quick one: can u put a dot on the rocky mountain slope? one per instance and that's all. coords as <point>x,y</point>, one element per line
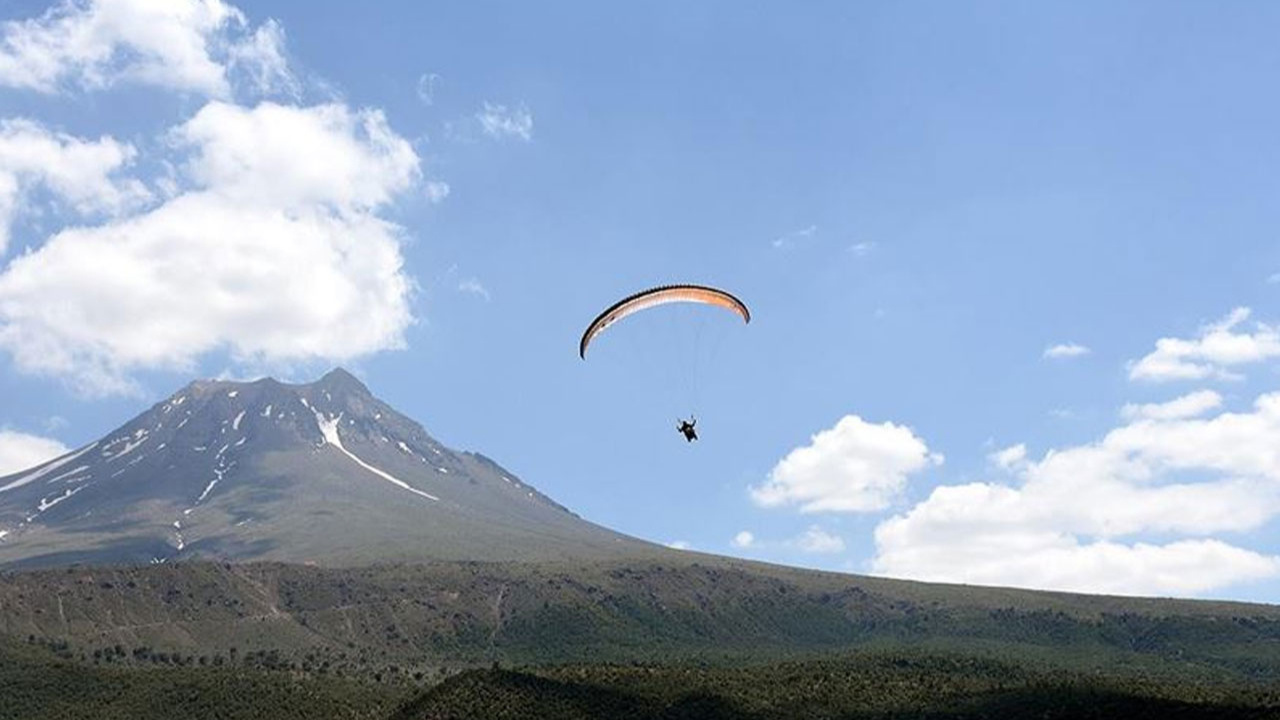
<point>319,473</point>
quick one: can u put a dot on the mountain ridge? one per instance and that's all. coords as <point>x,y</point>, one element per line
<point>321,472</point>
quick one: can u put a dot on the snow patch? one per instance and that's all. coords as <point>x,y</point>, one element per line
<point>405,447</point>
<point>209,488</point>
<point>68,475</point>
<point>33,476</point>
<point>235,424</point>
<point>130,444</point>
<point>329,429</point>
<point>267,412</point>
<point>233,393</point>
<point>46,503</point>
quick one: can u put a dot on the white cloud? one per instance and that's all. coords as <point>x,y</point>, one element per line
<point>817,540</point>
<point>1211,355</point>
<point>427,88</point>
<point>437,191</point>
<point>680,545</point>
<point>498,121</point>
<point>261,58</point>
<point>744,539</point>
<point>183,45</point>
<point>785,241</point>
<point>19,451</point>
<point>855,466</point>
<point>1164,473</point>
<point>1066,350</point>
<point>82,173</point>
<point>862,249</point>
<point>472,286</point>
<point>1190,405</point>
<point>1274,278</point>
<point>273,250</point>
<point>1010,457</point>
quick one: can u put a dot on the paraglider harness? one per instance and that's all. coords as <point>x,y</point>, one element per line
<point>686,427</point>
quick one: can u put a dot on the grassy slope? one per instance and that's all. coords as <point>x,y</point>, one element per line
<point>421,617</point>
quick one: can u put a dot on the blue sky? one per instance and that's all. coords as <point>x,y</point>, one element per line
<point>918,201</point>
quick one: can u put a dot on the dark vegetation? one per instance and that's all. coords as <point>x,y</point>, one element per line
<point>36,684</point>
<point>702,638</point>
<point>882,685</point>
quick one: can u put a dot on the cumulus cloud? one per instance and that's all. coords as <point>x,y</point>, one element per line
<point>855,466</point>
<point>184,45</point>
<point>84,174</point>
<point>1010,457</point>
<point>744,539</point>
<point>272,250</point>
<point>1218,348</point>
<point>19,451</point>
<point>501,122</point>
<point>817,540</point>
<point>260,57</point>
<point>1065,350</point>
<point>1190,405</point>
<point>1167,472</point>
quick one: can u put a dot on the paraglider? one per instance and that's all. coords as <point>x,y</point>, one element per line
<point>652,298</point>
<point>686,427</point>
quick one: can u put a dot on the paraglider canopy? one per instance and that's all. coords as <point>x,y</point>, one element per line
<point>654,297</point>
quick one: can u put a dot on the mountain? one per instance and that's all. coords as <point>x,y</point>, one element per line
<point>320,473</point>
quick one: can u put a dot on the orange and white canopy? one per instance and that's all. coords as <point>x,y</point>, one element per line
<point>654,297</point>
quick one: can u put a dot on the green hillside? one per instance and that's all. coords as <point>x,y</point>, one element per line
<point>433,617</point>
